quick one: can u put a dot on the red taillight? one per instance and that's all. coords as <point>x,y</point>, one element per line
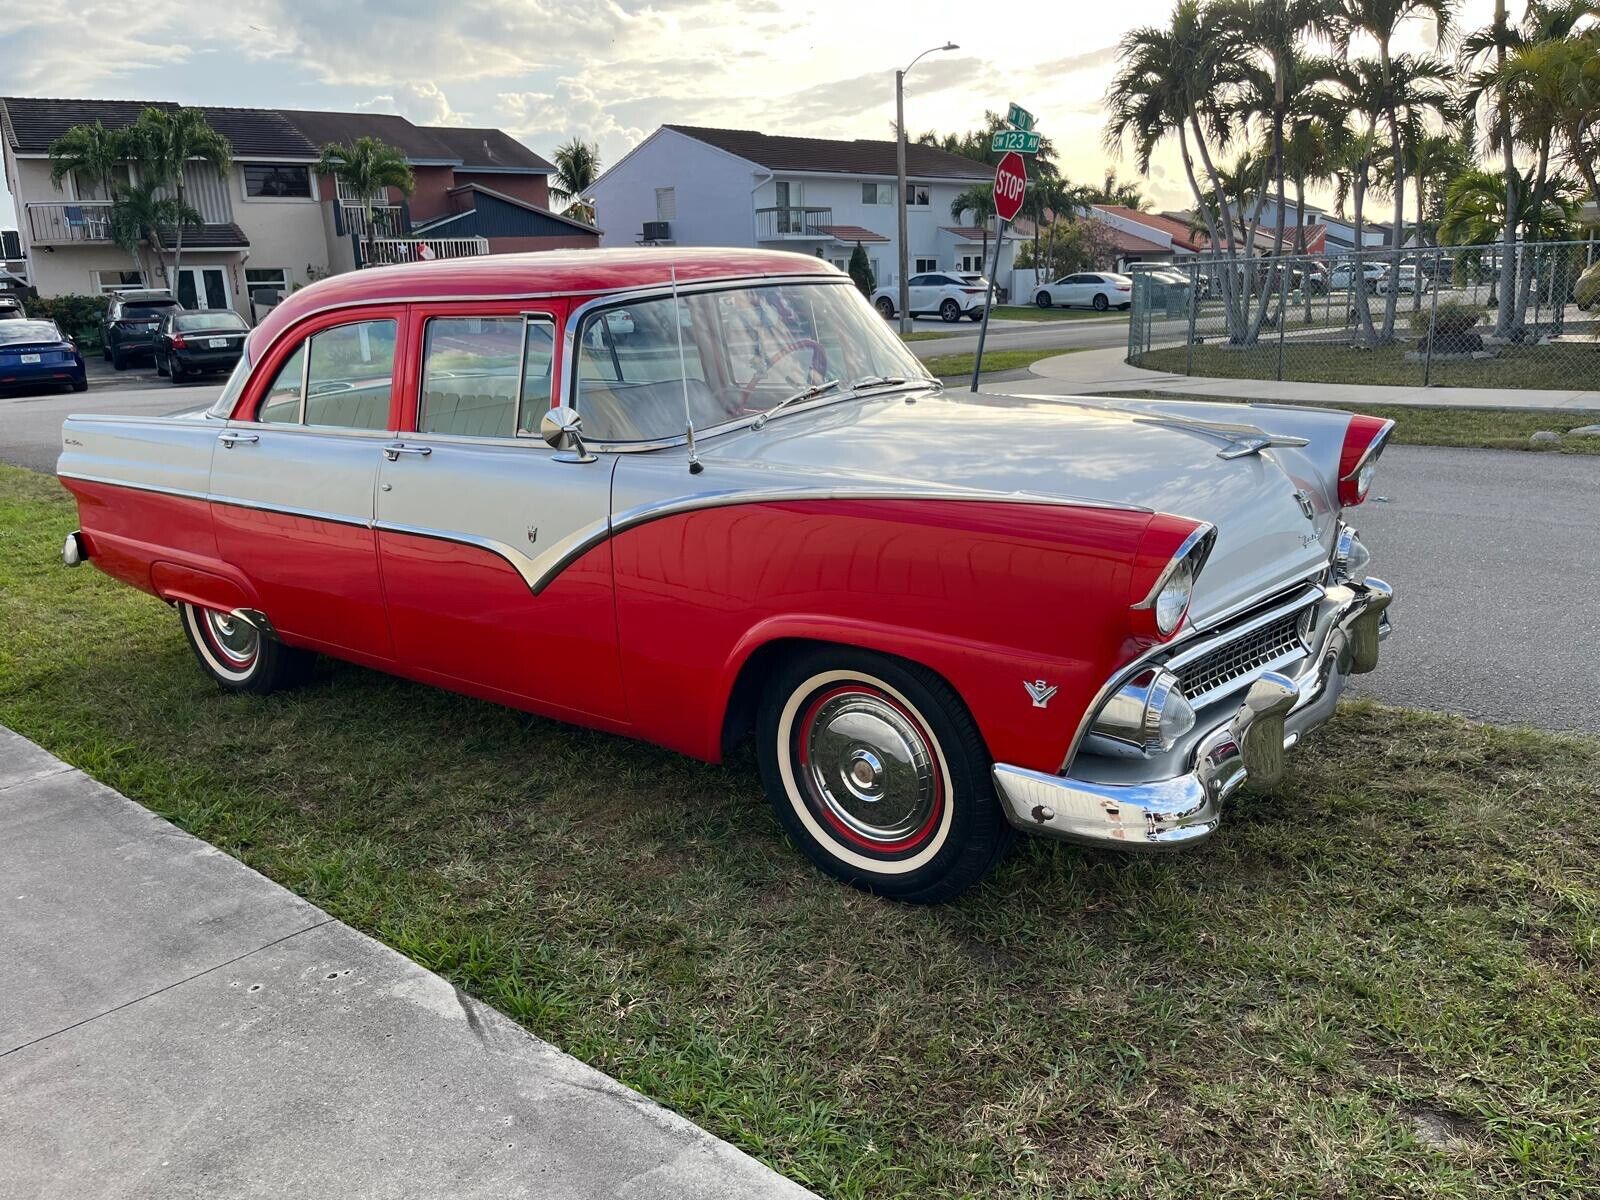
<point>1124,287</point>
<point>974,291</point>
<point>177,342</point>
<point>1363,442</point>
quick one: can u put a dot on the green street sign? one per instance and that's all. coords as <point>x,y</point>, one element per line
<point>1019,118</point>
<point>1014,139</point>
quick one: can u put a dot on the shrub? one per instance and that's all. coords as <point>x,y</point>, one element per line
<point>861,271</point>
<point>1453,319</point>
<point>77,316</point>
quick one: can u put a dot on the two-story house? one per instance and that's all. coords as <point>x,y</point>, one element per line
<point>272,223</point>
<point>686,185</point>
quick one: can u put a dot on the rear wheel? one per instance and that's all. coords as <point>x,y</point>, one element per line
<point>234,653</point>
<point>175,372</point>
<point>1101,303</point>
<point>161,365</point>
<point>81,384</point>
<point>879,775</point>
<point>886,308</point>
<point>950,311</point>
<point>119,360</point>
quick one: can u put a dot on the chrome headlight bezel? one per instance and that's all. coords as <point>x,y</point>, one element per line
<point>1148,714</point>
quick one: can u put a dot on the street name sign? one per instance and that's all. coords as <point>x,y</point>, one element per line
<point>1019,118</point>
<point>1014,140</point>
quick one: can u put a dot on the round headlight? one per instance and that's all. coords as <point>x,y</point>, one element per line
<point>1173,600</point>
<point>1364,477</point>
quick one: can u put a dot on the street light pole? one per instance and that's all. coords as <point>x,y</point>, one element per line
<point>900,179</point>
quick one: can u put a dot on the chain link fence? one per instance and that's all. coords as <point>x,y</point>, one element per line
<point>1445,316</point>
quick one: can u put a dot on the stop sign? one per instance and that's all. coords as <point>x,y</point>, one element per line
<point>1010,181</point>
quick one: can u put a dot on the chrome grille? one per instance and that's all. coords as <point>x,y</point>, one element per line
<point>1270,645</point>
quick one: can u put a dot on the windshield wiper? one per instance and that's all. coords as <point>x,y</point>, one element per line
<point>810,393</point>
<point>876,381</point>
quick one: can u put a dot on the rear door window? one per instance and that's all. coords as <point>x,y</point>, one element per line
<point>485,376</point>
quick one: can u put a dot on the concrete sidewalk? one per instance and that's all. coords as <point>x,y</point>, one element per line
<point>173,1024</point>
<point>1095,371</point>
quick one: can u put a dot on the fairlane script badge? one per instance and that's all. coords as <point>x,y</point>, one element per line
<point>1040,691</point>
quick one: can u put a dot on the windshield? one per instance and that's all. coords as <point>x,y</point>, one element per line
<point>223,408</point>
<point>29,331</point>
<point>210,320</point>
<point>744,350</point>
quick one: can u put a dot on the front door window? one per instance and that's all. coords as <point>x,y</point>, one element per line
<point>203,287</point>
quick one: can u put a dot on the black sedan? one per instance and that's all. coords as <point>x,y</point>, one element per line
<point>35,353</point>
<point>192,343</point>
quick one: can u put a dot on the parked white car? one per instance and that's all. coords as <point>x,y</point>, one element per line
<point>1098,290</point>
<point>1345,272</point>
<point>1404,280</point>
<point>944,294</point>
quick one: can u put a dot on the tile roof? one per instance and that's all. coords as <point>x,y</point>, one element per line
<point>207,237</point>
<point>415,142</point>
<point>477,189</point>
<point>1129,243</point>
<point>851,234</point>
<point>973,233</point>
<point>32,123</point>
<point>1176,230</point>
<point>489,149</point>
<point>832,157</point>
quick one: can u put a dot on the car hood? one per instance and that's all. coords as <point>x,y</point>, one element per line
<point>1058,448</point>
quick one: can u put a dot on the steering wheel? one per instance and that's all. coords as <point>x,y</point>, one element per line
<point>819,364</point>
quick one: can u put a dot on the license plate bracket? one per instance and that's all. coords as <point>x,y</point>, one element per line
<point>217,343</point>
<point>31,358</point>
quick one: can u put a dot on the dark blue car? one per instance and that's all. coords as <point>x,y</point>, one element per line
<point>35,353</point>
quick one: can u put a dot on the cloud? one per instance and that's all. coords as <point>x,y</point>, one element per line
<point>570,109</point>
<point>422,103</point>
<point>81,51</point>
<point>830,104</point>
<point>1102,57</point>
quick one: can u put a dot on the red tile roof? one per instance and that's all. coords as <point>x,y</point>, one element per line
<point>1176,230</point>
<point>851,233</point>
<point>1128,243</point>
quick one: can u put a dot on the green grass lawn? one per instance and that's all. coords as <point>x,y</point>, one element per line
<point>1378,980</point>
<point>948,366</point>
<point>1438,425</point>
<point>1568,368</point>
<point>924,335</point>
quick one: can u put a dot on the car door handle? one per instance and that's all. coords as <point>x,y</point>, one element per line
<point>393,453</point>
<point>230,440</point>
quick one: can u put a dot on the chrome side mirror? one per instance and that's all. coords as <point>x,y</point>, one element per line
<point>562,429</point>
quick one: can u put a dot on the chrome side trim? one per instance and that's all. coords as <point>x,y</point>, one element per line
<point>524,566</point>
<point>211,498</point>
<point>182,493</point>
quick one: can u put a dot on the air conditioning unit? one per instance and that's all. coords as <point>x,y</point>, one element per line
<point>657,231</point>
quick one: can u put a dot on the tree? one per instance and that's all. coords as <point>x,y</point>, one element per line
<point>577,167</point>
<point>1475,210</point>
<point>974,144</point>
<point>979,201</point>
<point>92,152</point>
<point>367,167</point>
<point>1125,193</point>
<point>140,213</point>
<point>861,271</point>
<point>163,142</point>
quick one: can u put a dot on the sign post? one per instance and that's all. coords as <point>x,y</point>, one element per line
<point>1010,184</point>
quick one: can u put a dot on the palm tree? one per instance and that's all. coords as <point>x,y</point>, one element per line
<point>577,167</point>
<point>1475,212</point>
<point>979,201</point>
<point>1125,193</point>
<point>367,167</point>
<point>1380,20</point>
<point>92,152</point>
<point>164,142</point>
<point>141,211</point>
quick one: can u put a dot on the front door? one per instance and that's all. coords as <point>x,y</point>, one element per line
<point>203,287</point>
<point>473,507</point>
<point>292,485</point>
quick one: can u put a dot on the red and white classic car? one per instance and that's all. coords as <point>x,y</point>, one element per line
<point>693,496</point>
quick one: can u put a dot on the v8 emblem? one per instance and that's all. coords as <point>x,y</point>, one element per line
<point>1041,691</point>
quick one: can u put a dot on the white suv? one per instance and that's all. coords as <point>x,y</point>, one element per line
<point>935,293</point>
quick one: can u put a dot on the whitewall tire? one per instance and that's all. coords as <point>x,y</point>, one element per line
<point>878,773</point>
<point>235,654</point>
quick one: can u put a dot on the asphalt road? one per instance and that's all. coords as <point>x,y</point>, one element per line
<point>1494,556</point>
<point>1022,335</point>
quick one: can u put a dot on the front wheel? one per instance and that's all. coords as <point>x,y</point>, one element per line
<point>1101,303</point>
<point>237,657</point>
<point>878,773</point>
<point>950,311</point>
<point>1043,300</point>
<point>885,308</point>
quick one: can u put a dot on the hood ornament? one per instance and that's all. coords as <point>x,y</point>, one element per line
<point>1041,691</point>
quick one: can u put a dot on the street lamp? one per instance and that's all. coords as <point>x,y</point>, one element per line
<point>900,173</point>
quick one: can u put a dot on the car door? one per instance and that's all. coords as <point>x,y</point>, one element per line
<point>1072,291</point>
<point>472,505</point>
<point>292,484</point>
<point>923,291</point>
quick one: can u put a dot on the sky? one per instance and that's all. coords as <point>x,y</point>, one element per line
<point>610,71</point>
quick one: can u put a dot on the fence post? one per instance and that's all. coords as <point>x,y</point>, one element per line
<point>1283,310</point>
<point>1194,310</point>
<point>1433,319</point>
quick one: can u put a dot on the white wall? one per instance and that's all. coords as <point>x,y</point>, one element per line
<point>283,233</point>
<point>712,191</point>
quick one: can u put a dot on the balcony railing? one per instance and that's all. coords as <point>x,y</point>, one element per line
<point>388,220</point>
<point>388,251</point>
<point>784,222</point>
<point>87,221</point>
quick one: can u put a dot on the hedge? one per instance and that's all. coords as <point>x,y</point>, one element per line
<point>77,316</point>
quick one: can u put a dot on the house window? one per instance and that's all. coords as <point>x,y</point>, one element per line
<point>877,193</point>
<point>114,281</point>
<point>916,195</point>
<point>972,262</point>
<point>258,279</point>
<point>667,204</point>
<point>925,264</point>
<point>277,181</point>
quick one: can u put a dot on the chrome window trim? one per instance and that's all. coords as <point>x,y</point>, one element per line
<point>519,436</point>
<point>662,291</point>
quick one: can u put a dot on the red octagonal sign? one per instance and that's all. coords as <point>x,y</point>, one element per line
<point>1010,181</point>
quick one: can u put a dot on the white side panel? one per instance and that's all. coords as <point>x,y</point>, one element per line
<point>167,454</point>
<point>318,473</point>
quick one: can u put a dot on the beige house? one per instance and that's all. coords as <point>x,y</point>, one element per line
<point>272,223</point>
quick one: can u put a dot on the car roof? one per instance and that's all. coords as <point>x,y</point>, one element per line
<point>144,294</point>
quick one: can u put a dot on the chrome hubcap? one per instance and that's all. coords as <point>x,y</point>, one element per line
<point>870,766</point>
<point>235,638</point>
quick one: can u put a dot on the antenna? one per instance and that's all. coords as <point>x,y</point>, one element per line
<point>695,465</point>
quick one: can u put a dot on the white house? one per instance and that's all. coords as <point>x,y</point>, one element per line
<point>691,186</point>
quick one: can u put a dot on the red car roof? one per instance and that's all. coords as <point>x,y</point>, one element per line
<point>549,272</point>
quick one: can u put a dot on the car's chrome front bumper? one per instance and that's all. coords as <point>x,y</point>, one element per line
<point>1277,711</point>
